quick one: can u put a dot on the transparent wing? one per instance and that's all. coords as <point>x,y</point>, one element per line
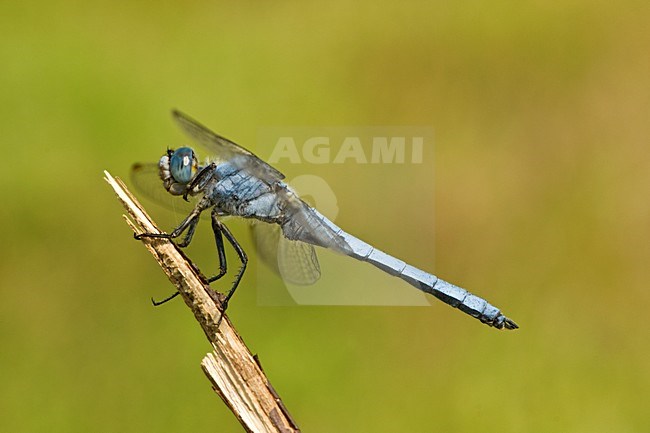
<point>296,262</point>
<point>146,180</point>
<point>306,224</point>
<point>226,150</point>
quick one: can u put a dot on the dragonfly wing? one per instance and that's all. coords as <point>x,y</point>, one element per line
<point>146,180</point>
<point>265,239</point>
<point>226,150</point>
<point>296,262</point>
<point>308,225</point>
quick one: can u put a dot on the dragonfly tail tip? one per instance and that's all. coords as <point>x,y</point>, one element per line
<point>510,324</point>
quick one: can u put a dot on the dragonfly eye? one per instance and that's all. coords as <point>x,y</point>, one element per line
<point>183,165</point>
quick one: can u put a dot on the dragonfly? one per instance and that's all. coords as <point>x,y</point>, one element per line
<point>234,182</point>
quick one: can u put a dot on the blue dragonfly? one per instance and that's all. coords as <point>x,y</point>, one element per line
<point>235,182</point>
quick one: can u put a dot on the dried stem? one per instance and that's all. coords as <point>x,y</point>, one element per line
<point>235,374</point>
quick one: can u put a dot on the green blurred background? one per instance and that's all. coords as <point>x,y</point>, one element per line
<point>541,116</point>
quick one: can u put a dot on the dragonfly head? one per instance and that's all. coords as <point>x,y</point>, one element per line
<point>177,168</point>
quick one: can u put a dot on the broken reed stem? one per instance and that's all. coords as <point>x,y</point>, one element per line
<point>235,374</point>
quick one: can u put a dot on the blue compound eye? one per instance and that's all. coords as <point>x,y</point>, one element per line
<point>182,165</point>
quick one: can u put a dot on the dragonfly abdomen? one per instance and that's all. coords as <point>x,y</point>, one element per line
<point>450,294</point>
<point>314,228</point>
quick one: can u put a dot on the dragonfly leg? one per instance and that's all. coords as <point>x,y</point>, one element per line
<point>189,223</point>
<point>191,228</point>
<point>200,179</point>
<point>167,299</point>
<point>223,266</point>
<point>221,228</point>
